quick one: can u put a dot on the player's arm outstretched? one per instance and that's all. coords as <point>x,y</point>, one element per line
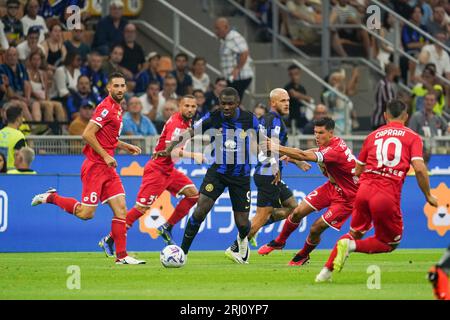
<point>293,153</point>
<point>181,139</point>
<point>91,139</point>
<point>423,181</point>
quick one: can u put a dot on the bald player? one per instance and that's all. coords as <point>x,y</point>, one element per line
<point>275,200</point>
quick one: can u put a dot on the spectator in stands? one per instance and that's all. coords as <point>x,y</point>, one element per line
<point>135,57</point>
<point>32,44</point>
<point>94,72</point>
<point>151,104</point>
<point>23,158</point>
<point>212,97</point>
<point>11,138</point>
<point>438,22</point>
<point>169,89</point>
<point>169,108</point>
<point>387,31</point>
<point>435,54</point>
<point>260,110</point>
<point>19,88</point>
<point>3,168</point>
<point>54,50</point>
<point>53,110</point>
<point>149,75</point>
<point>426,123</point>
<point>181,73</point>
<point>320,112</point>
<point>301,12</point>
<point>12,26</point>
<point>66,76</point>
<point>136,124</point>
<point>4,45</point>
<point>82,118</point>
<point>113,65</point>
<point>56,10</point>
<point>200,99</point>
<point>427,11</point>
<point>344,13</point>
<point>76,43</point>
<point>297,94</point>
<point>427,84</point>
<point>234,56</point>
<point>412,40</point>
<point>110,29</point>
<point>82,96</point>
<point>200,79</point>
<point>32,19</point>
<point>386,91</point>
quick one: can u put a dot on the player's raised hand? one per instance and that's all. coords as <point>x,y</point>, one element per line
<point>303,165</point>
<point>432,200</point>
<point>277,179</point>
<point>110,161</point>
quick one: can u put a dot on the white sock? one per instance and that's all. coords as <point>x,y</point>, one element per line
<point>352,246</point>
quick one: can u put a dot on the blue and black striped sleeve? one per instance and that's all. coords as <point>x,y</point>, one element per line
<point>203,124</point>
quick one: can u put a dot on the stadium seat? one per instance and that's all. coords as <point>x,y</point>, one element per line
<point>165,65</point>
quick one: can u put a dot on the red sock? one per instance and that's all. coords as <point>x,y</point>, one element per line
<point>307,248</point>
<point>329,263</point>
<point>67,204</point>
<point>182,209</point>
<point>372,245</point>
<point>119,234</point>
<point>288,228</point>
<point>133,215</point>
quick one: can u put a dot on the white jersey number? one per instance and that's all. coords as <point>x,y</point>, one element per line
<point>382,152</point>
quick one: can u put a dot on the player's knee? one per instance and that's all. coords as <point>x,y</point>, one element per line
<point>316,230</point>
<point>86,213</point>
<point>356,235</point>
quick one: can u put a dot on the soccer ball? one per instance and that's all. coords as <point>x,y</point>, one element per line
<point>172,257</point>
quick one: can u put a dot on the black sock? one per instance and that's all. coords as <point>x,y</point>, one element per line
<point>234,246</point>
<point>244,230</point>
<point>269,222</point>
<point>189,234</point>
<point>109,240</point>
<point>168,226</point>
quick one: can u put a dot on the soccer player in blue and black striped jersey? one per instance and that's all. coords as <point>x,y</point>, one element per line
<point>233,133</point>
<point>275,200</point>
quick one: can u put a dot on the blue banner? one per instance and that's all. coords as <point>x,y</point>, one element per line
<point>47,228</point>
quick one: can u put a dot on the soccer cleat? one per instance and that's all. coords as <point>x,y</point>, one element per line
<point>244,249</point>
<point>129,260</point>
<point>234,256</point>
<point>253,241</point>
<point>268,248</point>
<point>324,275</point>
<point>42,198</point>
<point>165,232</point>
<point>342,254</point>
<point>299,260</point>
<point>107,244</point>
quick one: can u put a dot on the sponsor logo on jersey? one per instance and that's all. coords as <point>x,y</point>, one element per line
<point>3,211</point>
<point>439,218</point>
<point>230,145</point>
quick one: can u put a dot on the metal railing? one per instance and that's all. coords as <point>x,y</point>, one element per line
<point>73,145</point>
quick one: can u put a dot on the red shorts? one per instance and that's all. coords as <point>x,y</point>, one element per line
<point>100,182</point>
<point>326,196</point>
<point>155,180</point>
<point>373,205</point>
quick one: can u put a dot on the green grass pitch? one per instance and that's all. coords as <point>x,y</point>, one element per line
<point>210,275</point>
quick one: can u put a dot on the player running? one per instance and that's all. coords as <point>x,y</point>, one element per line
<point>384,161</point>
<point>98,172</point>
<point>337,163</point>
<point>231,130</point>
<point>275,200</point>
<point>160,174</point>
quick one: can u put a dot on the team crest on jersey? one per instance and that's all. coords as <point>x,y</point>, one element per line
<point>209,187</point>
<point>439,218</point>
<point>104,113</point>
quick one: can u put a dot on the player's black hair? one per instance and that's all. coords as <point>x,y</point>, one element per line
<point>13,113</point>
<point>229,91</point>
<point>326,122</point>
<point>116,75</point>
<point>395,108</point>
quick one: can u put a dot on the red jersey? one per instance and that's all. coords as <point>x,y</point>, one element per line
<point>387,154</point>
<point>338,163</point>
<point>173,128</point>
<point>108,116</point>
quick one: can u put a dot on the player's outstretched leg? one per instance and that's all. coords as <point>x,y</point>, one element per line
<point>204,205</point>
<point>67,204</point>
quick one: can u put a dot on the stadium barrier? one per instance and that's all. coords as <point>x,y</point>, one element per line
<point>47,228</point>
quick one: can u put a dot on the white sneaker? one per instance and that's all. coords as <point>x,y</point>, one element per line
<point>324,275</point>
<point>244,249</point>
<point>42,198</point>
<point>129,260</point>
<point>234,256</point>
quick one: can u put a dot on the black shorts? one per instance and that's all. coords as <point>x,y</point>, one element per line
<point>215,183</point>
<point>270,195</point>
